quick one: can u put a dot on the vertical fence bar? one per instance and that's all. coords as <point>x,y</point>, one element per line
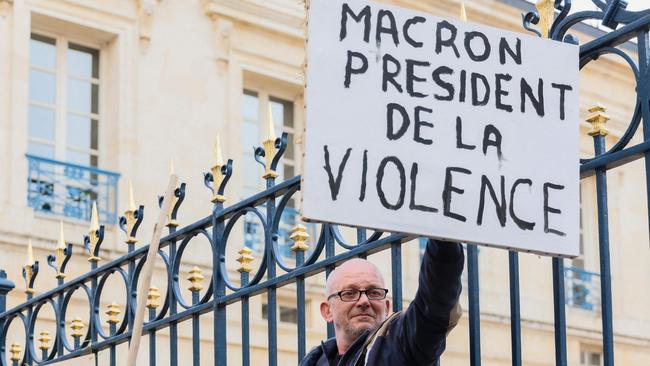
<point>300,302</point>
<point>515,315</point>
<point>559,312</point>
<point>245,323</point>
<point>196,335</point>
<point>329,253</point>
<point>152,338</point>
<point>272,311</point>
<point>474,308</point>
<point>5,287</point>
<point>643,93</point>
<point>605,270</point>
<point>173,305</point>
<point>396,274</point>
<point>219,285</point>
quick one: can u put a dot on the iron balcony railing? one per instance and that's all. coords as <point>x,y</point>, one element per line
<point>65,189</point>
<point>582,288</point>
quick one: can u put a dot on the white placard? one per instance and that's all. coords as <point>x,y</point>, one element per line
<point>441,128</point>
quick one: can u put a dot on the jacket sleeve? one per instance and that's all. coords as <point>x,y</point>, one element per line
<point>423,327</point>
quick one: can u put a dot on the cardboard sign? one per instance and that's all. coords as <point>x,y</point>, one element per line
<point>441,128</point>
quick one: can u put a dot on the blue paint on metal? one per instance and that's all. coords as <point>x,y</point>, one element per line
<point>396,274</point>
<point>515,311</point>
<point>474,306</point>
<point>559,314</point>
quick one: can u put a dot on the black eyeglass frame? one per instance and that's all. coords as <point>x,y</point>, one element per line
<point>359,292</point>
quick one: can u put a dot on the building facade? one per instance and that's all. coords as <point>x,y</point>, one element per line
<point>97,94</point>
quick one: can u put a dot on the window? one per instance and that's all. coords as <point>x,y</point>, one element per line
<point>63,131</point>
<point>63,116</point>
<point>287,314</point>
<point>590,357</point>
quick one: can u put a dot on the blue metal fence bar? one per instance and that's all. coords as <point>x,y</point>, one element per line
<point>559,312</point>
<point>474,306</point>
<point>643,93</point>
<point>173,303</point>
<point>396,274</point>
<point>515,311</point>
<point>196,335</point>
<point>300,303</point>
<point>245,323</point>
<point>329,253</point>
<point>272,310</point>
<point>219,310</point>
<point>152,338</point>
<point>603,241</point>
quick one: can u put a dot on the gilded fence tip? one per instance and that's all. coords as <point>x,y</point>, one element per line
<point>113,312</point>
<point>463,12</point>
<point>152,297</point>
<point>195,279</point>
<point>245,259</point>
<point>598,120</point>
<point>15,351</point>
<point>77,327</point>
<point>44,340</point>
<point>299,237</point>
<point>30,269</point>
<point>546,16</point>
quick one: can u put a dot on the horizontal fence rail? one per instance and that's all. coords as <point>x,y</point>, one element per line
<point>274,250</point>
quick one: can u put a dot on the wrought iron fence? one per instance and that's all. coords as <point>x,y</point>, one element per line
<point>276,269</point>
<point>64,189</point>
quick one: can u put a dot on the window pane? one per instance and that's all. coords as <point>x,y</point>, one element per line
<point>77,157</point>
<point>288,172</point>
<point>83,61</point>
<point>42,86</point>
<point>250,136</point>
<point>288,315</point>
<point>80,95</point>
<point>250,106</point>
<point>278,115</point>
<point>41,122</point>
<point>286,116</point>
<point>42,150</point>
<point>42,52</point>
<point>288,153</point>
<point>79,132</point>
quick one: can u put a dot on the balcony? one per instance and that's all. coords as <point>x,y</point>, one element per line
<point>68,190</point>
<point>582,289</point>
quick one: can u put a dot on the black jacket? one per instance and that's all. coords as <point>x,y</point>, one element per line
<point>417,335</point>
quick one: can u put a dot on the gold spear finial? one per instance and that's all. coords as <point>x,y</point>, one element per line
<point>245,259</point>
<point>463,12</point>
<point>217,176</point>
<point>299,236</point>
<point>30,254</point>
<point>172,171</point>
<point>94,218</point>
<point>152,297</point>
<point>113,312</point>
<point>546,15</point>
<point>44,339</point>
<point>131,205</point>
<point>93,236</point>
<point>15,351</point>
<point>61,243</point>
<point>195,279</point>
<point>598,120</point>
<point>218,156</point>
<point>77,326</point>
<point>269,149</point>
<point>271,131</point>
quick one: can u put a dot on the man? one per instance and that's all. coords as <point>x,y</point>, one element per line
<point>357,305</point>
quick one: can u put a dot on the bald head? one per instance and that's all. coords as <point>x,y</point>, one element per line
<point>347,273</point>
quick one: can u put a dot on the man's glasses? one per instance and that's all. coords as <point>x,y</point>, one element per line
<point>355,295</point>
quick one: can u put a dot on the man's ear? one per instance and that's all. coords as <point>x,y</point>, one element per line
<point>326,311</point>
<point>387,307</point>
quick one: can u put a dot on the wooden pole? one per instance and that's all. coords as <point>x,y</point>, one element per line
<point>147,271</point>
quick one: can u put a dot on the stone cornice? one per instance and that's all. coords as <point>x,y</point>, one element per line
<point>283,17</point>
<point>146,9</point>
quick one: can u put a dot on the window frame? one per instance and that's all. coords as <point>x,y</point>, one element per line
<point>62,44</point>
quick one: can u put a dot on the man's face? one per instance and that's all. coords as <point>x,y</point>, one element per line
<point>351,319</point>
